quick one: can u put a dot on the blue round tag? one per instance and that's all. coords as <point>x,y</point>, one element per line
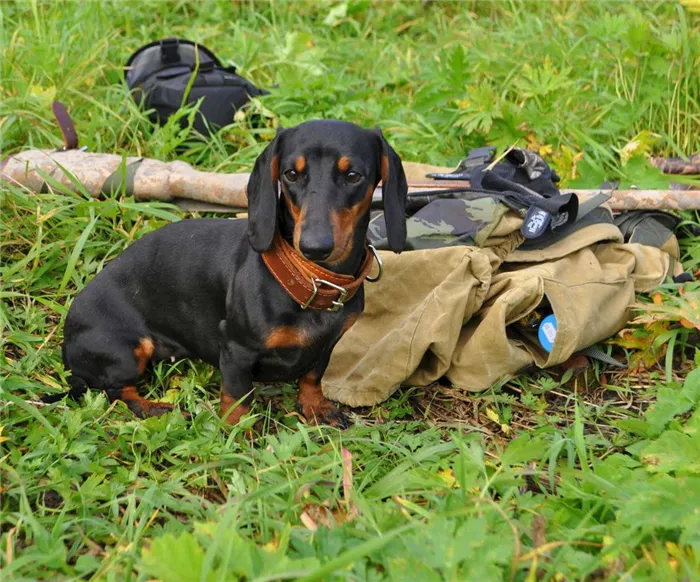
<point>547,332</point>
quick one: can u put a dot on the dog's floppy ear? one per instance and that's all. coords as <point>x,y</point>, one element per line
<point>263,197</point>
<point>394,192</point>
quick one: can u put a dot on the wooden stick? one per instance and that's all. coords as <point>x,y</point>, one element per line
<point>620,199</point>
<point>193,190</point>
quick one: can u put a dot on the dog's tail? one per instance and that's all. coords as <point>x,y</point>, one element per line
<point>78,387</point>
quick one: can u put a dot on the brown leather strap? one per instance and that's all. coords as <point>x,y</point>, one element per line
<point>298,275</point>
<point>65,123</point>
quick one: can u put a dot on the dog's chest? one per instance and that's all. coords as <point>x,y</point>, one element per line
<point>291,350</point>
<point>287,341</point>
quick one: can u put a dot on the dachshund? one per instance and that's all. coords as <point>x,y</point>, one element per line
<point>265,299</point>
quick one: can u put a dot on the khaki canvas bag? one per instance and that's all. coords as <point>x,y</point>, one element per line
<point>452,312</point>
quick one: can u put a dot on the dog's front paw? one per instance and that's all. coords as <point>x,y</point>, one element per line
<point>336,417</point>
<point>329,415</point>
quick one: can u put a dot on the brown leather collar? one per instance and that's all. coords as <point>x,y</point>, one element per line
<point>309,284</point>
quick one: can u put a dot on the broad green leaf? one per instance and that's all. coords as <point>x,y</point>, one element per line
<point>525,448</point>
<point>174,558</point>
<point>672,401</point>
<point>664,502</point>
<point>673,451</point>
<point>639,173</point>
<point>336,14</point>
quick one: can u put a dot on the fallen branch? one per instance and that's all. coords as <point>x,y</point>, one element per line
<point>142,178</point>
<point>192,190</point>
<point>620,200</point>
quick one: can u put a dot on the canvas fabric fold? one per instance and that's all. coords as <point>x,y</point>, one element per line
<point>453,312</point>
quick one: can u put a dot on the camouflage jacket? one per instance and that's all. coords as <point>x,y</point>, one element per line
<point>444,223</point>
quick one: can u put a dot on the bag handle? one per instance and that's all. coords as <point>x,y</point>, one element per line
<point>169,51</point>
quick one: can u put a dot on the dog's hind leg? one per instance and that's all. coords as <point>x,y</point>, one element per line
<point>140,406</point>
<point>77,389</point>
<point>113,362</point>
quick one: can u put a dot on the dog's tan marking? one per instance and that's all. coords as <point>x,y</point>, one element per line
<point>141,406</point>
<point>144,353</point>
<point>298,216</point>
<point>385,170</point>
<point>344,223</point>
<point>300,163</point>
<point>311,400</point>
<point>287,336</point>
<point>230,414</point>
<point>275,169</point>
<point>344,164</point>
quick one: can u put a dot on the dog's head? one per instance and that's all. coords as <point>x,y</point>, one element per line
<point>327,171</point>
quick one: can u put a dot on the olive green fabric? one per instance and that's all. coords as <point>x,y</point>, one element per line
<point>452,222</point>
<point>450,312</point>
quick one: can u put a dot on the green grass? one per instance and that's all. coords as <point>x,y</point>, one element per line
<point>548,477</point>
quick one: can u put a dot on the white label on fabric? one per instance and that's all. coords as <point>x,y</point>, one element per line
<point>549,330</point>
<point>536,222</point>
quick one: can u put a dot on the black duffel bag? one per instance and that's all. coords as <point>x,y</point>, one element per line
<point>159,75</point>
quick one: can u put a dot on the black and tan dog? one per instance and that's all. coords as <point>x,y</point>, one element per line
<point>266,299</point>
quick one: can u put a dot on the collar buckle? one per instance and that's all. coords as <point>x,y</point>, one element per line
<point>338,304</point>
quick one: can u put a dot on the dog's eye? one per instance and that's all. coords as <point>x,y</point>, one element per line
<point>291,175</point>
<point>353,177</point>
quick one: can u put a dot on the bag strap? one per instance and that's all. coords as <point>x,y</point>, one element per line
<point>591,204</point>
<point>598,354</point>
<point>169,51</point>
<point>65,124</point>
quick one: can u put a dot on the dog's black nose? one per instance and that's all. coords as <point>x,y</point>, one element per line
<point>317,249</point>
